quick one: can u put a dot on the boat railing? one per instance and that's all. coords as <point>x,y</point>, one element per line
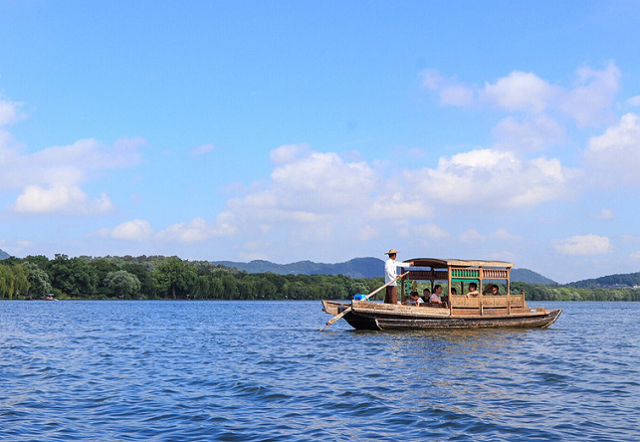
<point>427,275</point>
<point>487,304</point>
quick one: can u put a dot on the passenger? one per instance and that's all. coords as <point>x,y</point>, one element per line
<point>454,292</point>
<point>415,299</point>
<point>435,298</point>
<point>390,276</point>
<point>473,290</point>
<point>426,294</point>
<point>495,290</point>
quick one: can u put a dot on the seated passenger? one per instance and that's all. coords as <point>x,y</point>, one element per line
<point>473,290</point>
<point>426,293</point>
<point>414,299</point>
<point>454,292</point>
<point>495,290</point>
<point>435,298</point>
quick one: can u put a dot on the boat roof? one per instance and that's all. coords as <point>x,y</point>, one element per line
<point>445,263</point>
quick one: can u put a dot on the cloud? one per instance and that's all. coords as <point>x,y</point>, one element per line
<point>591,94</point>
<point>134,230</point>
<point>633,101</point>
<point>490,178</point>
<point>202,150</point>
<point>197,230</point>
<point>290,153</point>
<point>49,180</point>
<point>585,245</point>
<point>60,200</point>
<point>528,134</point>
<point>520,91</point>
<point>616,153</point>
<point>10,112</point>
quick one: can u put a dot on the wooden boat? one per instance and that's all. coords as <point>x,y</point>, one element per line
<point>463,310</point>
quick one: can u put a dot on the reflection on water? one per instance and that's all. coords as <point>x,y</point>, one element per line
<point>258,371</point>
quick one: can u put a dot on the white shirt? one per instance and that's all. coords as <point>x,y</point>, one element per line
<point>391,269</point>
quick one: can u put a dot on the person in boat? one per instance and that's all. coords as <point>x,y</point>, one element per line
<point>391,274</point>
<point>414,299</point>
<point>435,298</point>
<point>454,292</point>
<point>495,290</point>
<point>473,290</point>
<point>426,294</point>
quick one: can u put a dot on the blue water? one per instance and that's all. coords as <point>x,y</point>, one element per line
<point>261,371</point>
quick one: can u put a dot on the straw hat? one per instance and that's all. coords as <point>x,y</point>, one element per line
<point>392,252</point>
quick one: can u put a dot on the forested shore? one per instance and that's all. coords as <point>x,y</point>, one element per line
<point>159,277</point>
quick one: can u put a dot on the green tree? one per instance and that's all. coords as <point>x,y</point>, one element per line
<point>39,279</point>
<point>175,277</point>
<point>147,284</point>
<point>13,280</point>
<point>73,276</point>
<point>123,283</point>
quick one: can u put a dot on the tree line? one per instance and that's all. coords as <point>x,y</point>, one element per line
<point>159,277</point>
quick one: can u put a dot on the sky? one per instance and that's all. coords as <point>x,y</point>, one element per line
<point>323,131</point>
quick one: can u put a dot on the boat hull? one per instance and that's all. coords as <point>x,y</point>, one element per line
<point>373,317</point>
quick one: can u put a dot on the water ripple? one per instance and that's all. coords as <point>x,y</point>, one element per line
<point>247,371</point>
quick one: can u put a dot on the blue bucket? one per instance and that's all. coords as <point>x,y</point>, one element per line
<point>359,297</point>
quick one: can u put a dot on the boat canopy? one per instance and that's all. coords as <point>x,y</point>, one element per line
<point>446,263</point>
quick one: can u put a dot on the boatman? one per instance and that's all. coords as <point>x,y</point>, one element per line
<point>390,274</point>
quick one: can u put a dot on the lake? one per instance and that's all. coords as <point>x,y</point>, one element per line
<point>261,371</point>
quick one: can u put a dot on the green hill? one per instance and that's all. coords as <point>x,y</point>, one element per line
<point>355,268</point>
<point>611,281</point>
<point>530,277</point>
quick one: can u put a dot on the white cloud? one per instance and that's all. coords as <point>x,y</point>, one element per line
<point>196,230</point>
<point>585,245</point>
<point>490,178</point>
<point>50,179</point>
<point>290,153</point>
<point>10,112</point>
<point>134,230</point>
<point>585,101</point>
<point>616,153</point>
<point>520,91</point>
<point>529,134</point>
<point>60,200</point>
<point>593,92</point>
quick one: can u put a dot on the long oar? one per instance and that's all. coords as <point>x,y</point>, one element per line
<point>348,309</point>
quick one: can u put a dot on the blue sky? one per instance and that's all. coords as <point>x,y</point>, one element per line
<point>323,131</point>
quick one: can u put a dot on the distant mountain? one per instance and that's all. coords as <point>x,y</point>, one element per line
<point>4,255</point>
<point>530,277</point>
<point>356,268</point>
<point>611,281</point>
